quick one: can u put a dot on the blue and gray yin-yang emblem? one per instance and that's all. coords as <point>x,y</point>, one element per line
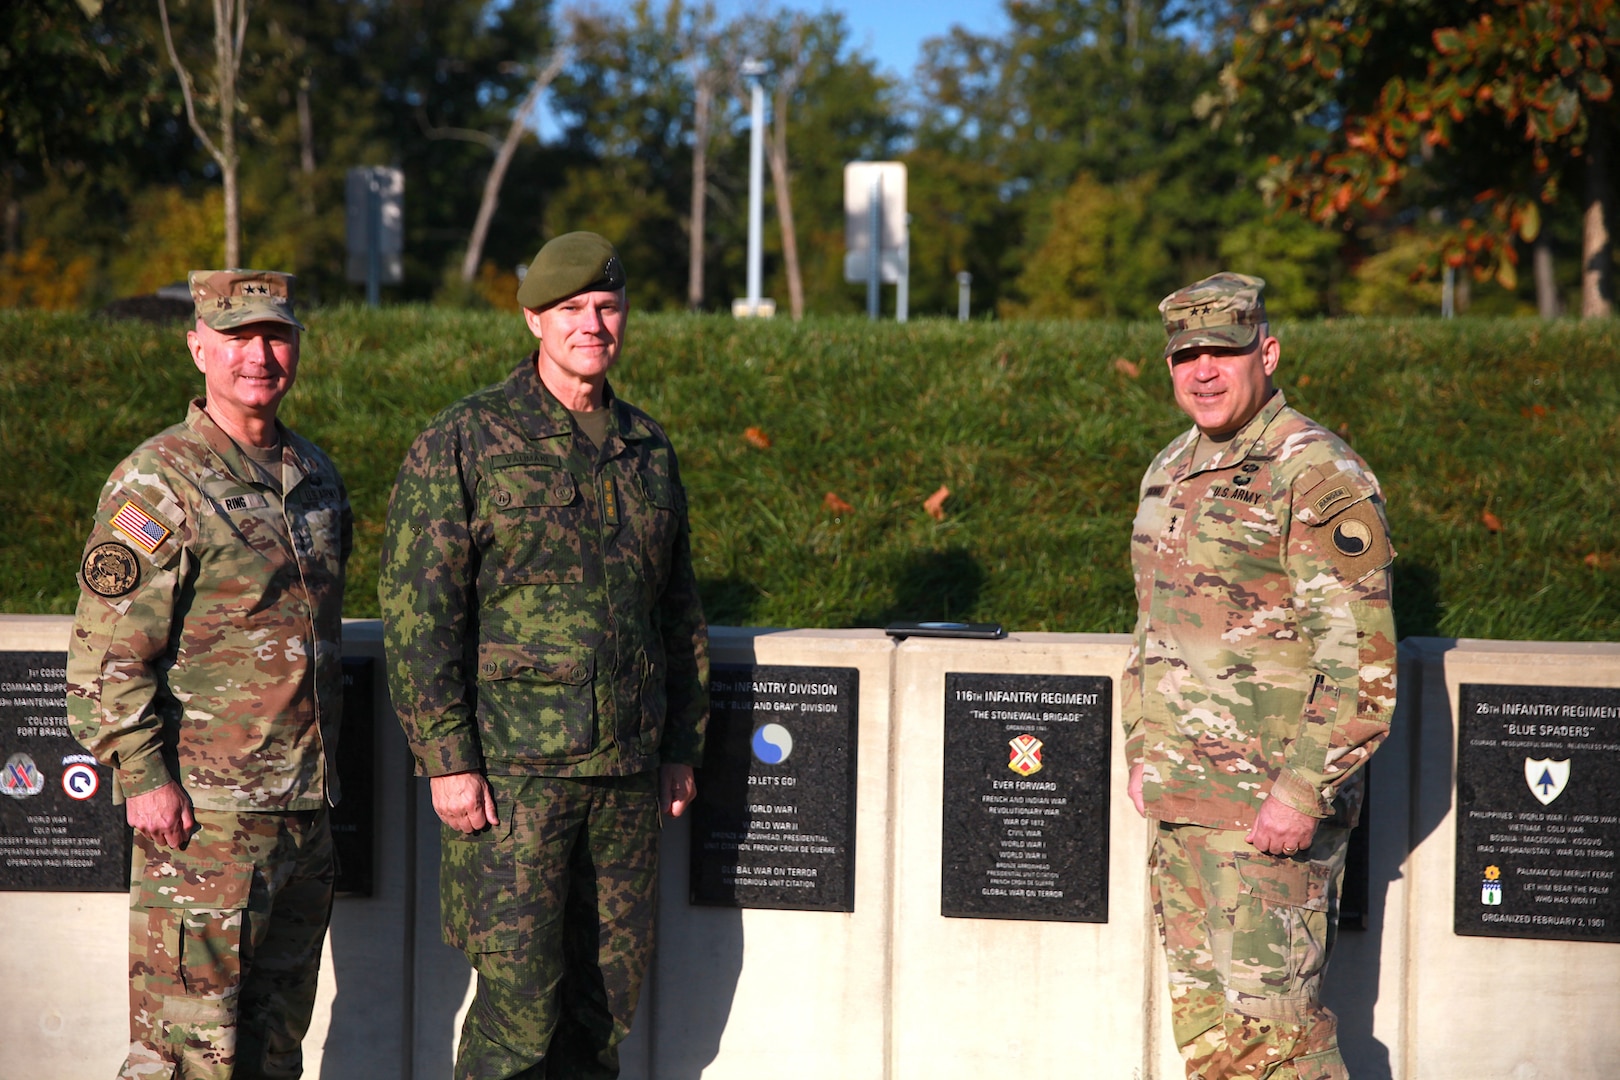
<point>1352,537</point>
<point>772,743</point>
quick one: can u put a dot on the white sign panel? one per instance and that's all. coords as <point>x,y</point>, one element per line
<point>389,222</point>
<point>886,180</point>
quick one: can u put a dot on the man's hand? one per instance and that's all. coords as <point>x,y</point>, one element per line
<point>162,816</point>
<point>1134,790</point>
<point>464,801</point>
<point>1279,829</point>
<point>677,787</point>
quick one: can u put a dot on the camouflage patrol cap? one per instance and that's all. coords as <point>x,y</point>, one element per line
<point>226,299</point>
<point>1224,311</point>
<point>571,263</point>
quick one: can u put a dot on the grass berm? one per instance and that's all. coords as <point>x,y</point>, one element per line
<point>1496,441</point>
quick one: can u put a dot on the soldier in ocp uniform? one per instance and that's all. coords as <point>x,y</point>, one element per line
<point>205,669</point>
<point>1261,679</point>
<point>548,658</point>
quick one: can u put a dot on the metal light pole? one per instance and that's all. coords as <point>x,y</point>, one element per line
<point>373,240</point>
<point>874,271</point>
<point>902,288</point>
<point>752,70</point>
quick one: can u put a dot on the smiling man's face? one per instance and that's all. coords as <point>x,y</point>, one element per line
<point>1222,389</point>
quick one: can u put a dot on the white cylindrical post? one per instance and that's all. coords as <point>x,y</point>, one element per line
<point>964,289</point>
<point>902,288</point>
<point>756,183</point>
<point>874,265</point>
<point>373,237</point>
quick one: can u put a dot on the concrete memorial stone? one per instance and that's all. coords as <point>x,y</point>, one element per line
<point>1025,816</point>
<point>59,829</point>
<point>1538,812</point>
<point>774,822</point>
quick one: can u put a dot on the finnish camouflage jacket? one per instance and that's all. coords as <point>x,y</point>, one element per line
<point>1264,659</point>
<point>208,642</point>
<point>540,613</point>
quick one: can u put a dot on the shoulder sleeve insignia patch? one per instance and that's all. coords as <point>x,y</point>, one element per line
<point>1352,537</point>
<point>111,570</point>
<point>1356,542</point>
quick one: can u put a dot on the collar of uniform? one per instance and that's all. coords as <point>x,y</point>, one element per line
<point>537,409</point>
<point>542,416</point>
<point>232,457</point>
<point>1240,446</point>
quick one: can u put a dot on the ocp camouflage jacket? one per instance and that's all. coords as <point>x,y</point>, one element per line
<point>208,642</point>
<point>1264,659</point>
<point>540,613</point>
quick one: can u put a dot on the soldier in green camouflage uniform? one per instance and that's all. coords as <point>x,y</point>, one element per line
<point>547,656</point>
<point>205,669</point>
<point>1261,679</point>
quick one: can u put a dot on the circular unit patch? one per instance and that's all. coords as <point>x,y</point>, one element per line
<point>111,570</point>
<point>772,744</point>
<point>1352,537</point>
<point>80,781</point>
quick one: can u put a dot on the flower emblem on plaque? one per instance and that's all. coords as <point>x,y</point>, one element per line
<point>1026,755</point>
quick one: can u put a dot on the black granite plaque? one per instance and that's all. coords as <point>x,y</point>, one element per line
<point>1025,823</point>
<point>59,829</point>
<point>774,821</point>
<point>1538,812</point>
<point>354,818</point>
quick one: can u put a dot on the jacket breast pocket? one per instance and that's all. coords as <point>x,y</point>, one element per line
<point>658,515</point>
<point>536,703</point>
<point>536,513</point>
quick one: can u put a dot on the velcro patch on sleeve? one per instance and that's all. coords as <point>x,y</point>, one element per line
<point>1356,541</point>
<point>1327,490</point>
<point>140,526</point>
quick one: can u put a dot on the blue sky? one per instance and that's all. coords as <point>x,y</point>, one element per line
<point>890,31</point>
<point>893,31</point>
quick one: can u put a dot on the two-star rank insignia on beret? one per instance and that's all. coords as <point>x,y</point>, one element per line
<point>111,570</point>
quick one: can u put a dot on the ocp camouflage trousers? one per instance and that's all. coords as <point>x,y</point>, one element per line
<point>225,942</point>
<point>554,908</point>
<point>1247,936</point>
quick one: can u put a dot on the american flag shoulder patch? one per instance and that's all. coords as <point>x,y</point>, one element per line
<point>143,530</point>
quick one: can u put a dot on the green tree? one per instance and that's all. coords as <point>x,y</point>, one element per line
<point>1483,111</point>
<point>1110,91</point>
<point>629,109</point>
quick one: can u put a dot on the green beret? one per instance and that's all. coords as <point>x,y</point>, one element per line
<point>1224,312</point>
<point>226,299</point>
<point>572,263</point>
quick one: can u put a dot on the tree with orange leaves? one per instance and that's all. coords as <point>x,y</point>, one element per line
<point>1488,105</point>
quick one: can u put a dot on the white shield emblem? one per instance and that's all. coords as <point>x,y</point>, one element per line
<point>1546,777</point>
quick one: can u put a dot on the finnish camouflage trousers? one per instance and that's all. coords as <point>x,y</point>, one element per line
<point>554,908</point>
<point>225,946</point>
<point>1247,936</point>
